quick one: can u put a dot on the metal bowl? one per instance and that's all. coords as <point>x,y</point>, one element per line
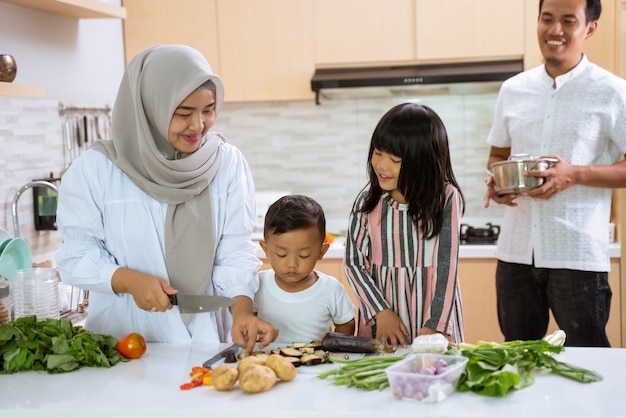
<point>508,176</point>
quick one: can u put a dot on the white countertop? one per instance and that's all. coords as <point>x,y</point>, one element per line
<point>337,250</point>
<point>149,387</point>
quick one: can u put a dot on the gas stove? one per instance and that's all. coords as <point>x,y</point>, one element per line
<point>479,236</point>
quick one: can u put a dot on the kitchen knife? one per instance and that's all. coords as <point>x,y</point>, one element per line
<point>199,304</point>
<point>222,354</point>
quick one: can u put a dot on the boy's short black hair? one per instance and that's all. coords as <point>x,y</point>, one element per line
<point>294,212</point>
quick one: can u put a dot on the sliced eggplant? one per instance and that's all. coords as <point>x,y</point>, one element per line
<point>290,352</point>
<point>294,360</point>
<point>311,360</point>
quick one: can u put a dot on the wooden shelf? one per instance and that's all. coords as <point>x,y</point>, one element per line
<point>80,9</point>
<point>23,90</point>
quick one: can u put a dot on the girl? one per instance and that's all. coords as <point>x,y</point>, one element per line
<point>403,235</point>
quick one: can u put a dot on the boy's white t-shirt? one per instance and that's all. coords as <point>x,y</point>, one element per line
<point>303,316</point>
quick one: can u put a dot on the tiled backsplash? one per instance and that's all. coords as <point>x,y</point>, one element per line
<point>298,146</point>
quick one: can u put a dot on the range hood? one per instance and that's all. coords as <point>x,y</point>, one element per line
<point>336,78</point>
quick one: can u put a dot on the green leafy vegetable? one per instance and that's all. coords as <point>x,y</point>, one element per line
<point>53,345</point>
<point>494,369</point>
<point>366,373</point>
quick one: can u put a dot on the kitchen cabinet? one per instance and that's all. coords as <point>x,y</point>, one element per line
<point>480,316</point>
<point>151,22</point>
<point>370,32</point>
<point>364,31</point>
<point>266,49</point>
<point>80,9</point>
<point>477,31</point>
<point>262,50</point>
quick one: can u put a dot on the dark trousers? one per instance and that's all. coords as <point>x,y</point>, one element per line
<point>580,302</point>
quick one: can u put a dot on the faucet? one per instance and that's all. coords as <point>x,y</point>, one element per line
<point>35,183</point>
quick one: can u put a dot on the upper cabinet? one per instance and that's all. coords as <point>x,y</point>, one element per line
<point>262,49</point>
<point>80,9</point>
<point>357,32</point>
<point>266,49</point>
<point>151,22</point>
<point>477,30</point>
<point>364,31</point>
<point>269,50</point>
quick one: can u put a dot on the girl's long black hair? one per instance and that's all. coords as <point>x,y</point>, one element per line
<point>416,134</point>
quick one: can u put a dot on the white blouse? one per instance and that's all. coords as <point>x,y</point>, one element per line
<point>107,222</point>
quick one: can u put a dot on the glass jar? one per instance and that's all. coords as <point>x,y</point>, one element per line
<point>36,292</point>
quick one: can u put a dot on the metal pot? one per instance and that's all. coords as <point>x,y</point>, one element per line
<point>509,176</point>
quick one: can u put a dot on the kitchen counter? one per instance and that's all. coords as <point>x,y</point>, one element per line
<point>149,387</point>
<point>337,250</point>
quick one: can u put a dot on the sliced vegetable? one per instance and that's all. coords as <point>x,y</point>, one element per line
<point>199,376</point>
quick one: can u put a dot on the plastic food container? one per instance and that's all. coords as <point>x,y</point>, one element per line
<point>410,378</point>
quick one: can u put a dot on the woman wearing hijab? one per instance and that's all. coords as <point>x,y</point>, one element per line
<point>165,207</point>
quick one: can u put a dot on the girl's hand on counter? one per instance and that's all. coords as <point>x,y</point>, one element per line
<point>389,327</point>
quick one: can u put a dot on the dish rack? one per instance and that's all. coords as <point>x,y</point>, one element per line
<point>76,307</point>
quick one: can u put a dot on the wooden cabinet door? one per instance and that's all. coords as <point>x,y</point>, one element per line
<point>469,30</point>
<point>364,31</point>
<point>191,22</point>
<point>266,49</point>
<point>477,277</point>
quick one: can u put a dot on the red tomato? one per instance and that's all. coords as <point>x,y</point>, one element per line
<point>132,346</point>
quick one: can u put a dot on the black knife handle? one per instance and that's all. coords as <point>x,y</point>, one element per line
<point>173,299</point>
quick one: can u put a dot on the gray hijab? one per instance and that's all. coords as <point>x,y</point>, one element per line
<point>155,82</point>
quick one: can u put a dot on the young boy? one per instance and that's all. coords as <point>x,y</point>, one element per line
<point>302,302</point>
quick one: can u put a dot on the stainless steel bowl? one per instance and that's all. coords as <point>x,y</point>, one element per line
<point>509,176</point>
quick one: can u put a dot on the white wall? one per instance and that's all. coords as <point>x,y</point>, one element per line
<point>77,60</point>
<point>80,62</point>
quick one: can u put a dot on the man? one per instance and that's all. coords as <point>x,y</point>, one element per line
<point>553,246</point>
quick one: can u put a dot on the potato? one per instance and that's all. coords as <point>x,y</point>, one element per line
<point>249,361</point>
<point>257,379</point>
<point>284,369</point>
<point>224,377</point>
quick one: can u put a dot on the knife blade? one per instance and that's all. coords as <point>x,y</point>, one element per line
<point>199,304</point>
<point>222,354</point>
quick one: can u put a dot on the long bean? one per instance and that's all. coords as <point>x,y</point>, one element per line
<point>366,373</point>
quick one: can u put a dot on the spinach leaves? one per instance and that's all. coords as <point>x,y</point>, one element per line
<point>494,369</point>
<point>53,345</point>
